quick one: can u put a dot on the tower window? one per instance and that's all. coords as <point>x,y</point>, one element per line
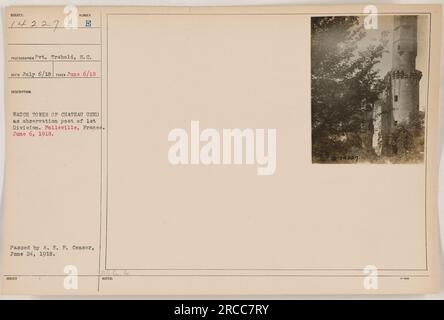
<point>396,98</point>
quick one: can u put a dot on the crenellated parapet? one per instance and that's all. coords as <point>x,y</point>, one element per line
<point>401,74</point>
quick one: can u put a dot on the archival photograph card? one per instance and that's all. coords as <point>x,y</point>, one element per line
<point>242,150</point>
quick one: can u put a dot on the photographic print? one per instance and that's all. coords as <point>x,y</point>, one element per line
<point>369,89</point>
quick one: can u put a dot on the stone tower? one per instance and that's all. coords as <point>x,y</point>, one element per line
<point>401,97</point>
<point>404,76</point>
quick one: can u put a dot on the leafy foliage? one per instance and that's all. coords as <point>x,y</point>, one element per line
<point>345,85</point>
<point>407,140</point>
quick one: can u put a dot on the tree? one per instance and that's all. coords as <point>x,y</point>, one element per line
<point>345,85</point>
<point>407,139</point>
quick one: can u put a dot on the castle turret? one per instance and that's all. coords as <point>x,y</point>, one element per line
<point>404,76</point>
<point>401,96</point>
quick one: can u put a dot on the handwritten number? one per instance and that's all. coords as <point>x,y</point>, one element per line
<point>34,23</point>
<point>56,24</point>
